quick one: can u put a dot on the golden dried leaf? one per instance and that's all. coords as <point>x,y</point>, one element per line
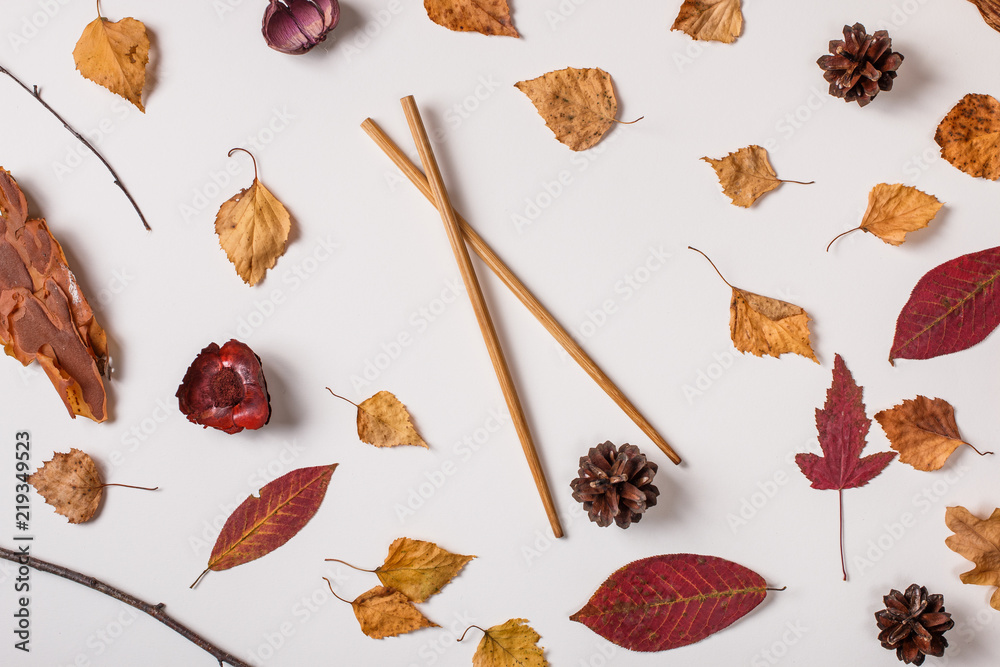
<point>923,431</point>
<point>384,422</point>
<point>969,136</point>
<point>978,541</point>
<point>710,20</point>
<point>746,175</point>
<point>70,483</point>
<point>253,228</point>
<point>511,644</point>
<point>894,210</point>
<point>762,325</point>
<point>990,9</point>
<point>578,105</point>
<point>383,612</point>
<point>419,569</point>
<point>489,17</point>
<point>114,55</point>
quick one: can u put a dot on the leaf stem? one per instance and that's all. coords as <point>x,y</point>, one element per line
<point>785,180</point>
<point>344,399</point>
<point>713,266</point>
<point>467,631</point>
<point>207,570</point>
<point>99,9</point>
<point>156,611</point>
<point>353,567</point>
<point>977,451</point>
<point>843,561</point>
<point>839,235</point>
<point>629,122</point>
<point>334,593</point>
<point>129,486</point>
<point>233,150</point>
<point>776,589</point>
<point>34,93</point>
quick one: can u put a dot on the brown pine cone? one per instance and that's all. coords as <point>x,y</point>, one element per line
<point>861,64</point>
<point>913,624</point>
<point>615,485</point>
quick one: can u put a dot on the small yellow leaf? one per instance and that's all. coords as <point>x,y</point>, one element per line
<point>70,483</point>
<point>384,422</point>
<point>114,54</point>
<point>511,644</point>
<point>894,210</point>
<point>578,105</point>
<point>979,541</point>
<point>746,175</point>
<point>488,17</point>
<point>383,612</point>
<point>761,325</point>
<point>419,569</point>
<point>710,20</point>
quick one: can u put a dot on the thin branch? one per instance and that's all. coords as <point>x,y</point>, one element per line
<point>156,611</point>
<point>38,96</point>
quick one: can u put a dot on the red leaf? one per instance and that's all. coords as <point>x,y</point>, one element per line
<point>665,602</point>
<point>842,426</point>
<point>953,307</point>
<point>262,524</point>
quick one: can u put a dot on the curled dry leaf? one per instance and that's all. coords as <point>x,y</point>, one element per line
<point>747,175</point>
<point>489,17</point>
<point>510,644</point>
<point>990,9</point>
<point>253,228</point>
<point>71,483</point>
<point>761,325</point>
<point>894,210</point>
<point>383,421</point>
<point>979,541</point>
<point>923,431</point>
<point>710,20</point>
<point>44,315</point>
<point>578,105</point>
<point>383,612</point>
<point>419,569</point>
<point>969,136</point>
<point>114,54</point>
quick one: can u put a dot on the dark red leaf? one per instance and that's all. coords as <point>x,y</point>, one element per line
<point>664,602</point>
<point>953,307</point>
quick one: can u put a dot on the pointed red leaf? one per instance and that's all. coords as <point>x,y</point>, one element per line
<point>953,307</point>
<point>664,602</point>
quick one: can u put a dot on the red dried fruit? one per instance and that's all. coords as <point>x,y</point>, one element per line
<point>225,388</point>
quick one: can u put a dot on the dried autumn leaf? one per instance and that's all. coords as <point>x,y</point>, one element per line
<point>894,210</point>
<point>761,325</point>
<point>114,54</point>
<point>510,644</point>
<point>842,426</point>
<point>979,541</point>
<point>578,105</point>
<point>419,569</point>
<point>263,523</point>
<point>710,20</point>
<point>44,315</point>
<point>253,228</point>
<point>383,421</point>
<point>990,9</point>
<point>923,431</point>
<point>489,17</point>
<point>383,612</point>
<point>669,601</point>
<point>952,307</point>
<point>747,175</point>
<point>71,483</point>
<point>969,136</point>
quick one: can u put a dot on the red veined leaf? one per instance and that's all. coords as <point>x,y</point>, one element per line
<point>665,602</point>
<point>953,307</point>
<point>262,524</point>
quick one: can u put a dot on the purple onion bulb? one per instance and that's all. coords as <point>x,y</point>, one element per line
<point>295,26</point>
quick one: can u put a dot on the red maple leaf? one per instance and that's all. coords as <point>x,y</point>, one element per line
<point>842,426</point>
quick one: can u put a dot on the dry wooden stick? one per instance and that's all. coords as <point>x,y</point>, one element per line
<point>475,292</point>
<point>521,291</point>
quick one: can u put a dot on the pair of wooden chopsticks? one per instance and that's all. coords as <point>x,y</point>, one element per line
<point>459,231</point>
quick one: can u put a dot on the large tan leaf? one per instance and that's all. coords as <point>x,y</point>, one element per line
<point>578,105</point>
<point>419,569</point>
<point>253,228</point>
<point>746,175</point>
<point>511,644</point>
<point>923,431</point>
<point>990,9</point>
<point>489,17</point>
<point>710,20</point>
<point>383,612</point>
<point>114,55</point>
<point>70,483</point>
<point>978,541</point>
<point>969,136</point>
<point>894,210</point>
<point>384,422</point>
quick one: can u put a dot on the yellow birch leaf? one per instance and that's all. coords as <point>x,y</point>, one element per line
<point>419,569</point>
<point>114,54</point>
<point>253,228</point>
<point>383,612</point>
<point>746,175</point>
<point>894,210</point>
<point>488,17</point>
<point>70,483</point>
<point>578,105</point>
<point>384,422</point>
<point>710,20</point>
<point>923,431</point>
<point>511,644</point>
<point>978,541</point>
<point>969,136</point>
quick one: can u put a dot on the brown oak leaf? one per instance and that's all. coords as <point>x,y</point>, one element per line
<point>990,9</point>
<point>746,175</point>
<point>969,136</point>
<point>923,431</point>
<point>70,483</point>
<point>894,210</point>
<point>114,54</point>
<point>383,612</point>
<point>510,644</point>
<point>383,421</point>
<point>979,541</point>
<point>489,17</point>
<point>710,20</point>
<point>578,105</point>
<point>419,569</point>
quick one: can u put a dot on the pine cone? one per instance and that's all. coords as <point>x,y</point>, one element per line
<point>861,64</point>
<point>914,623</point>
<point>615,485</point>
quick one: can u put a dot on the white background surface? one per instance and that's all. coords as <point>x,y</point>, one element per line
<point>165,295</point>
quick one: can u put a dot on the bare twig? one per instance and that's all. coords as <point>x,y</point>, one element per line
<point>38,96</point>
<point>154,610</point>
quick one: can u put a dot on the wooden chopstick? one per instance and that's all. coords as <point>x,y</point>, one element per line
<point>475,292</point>
<point>521,291</point>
